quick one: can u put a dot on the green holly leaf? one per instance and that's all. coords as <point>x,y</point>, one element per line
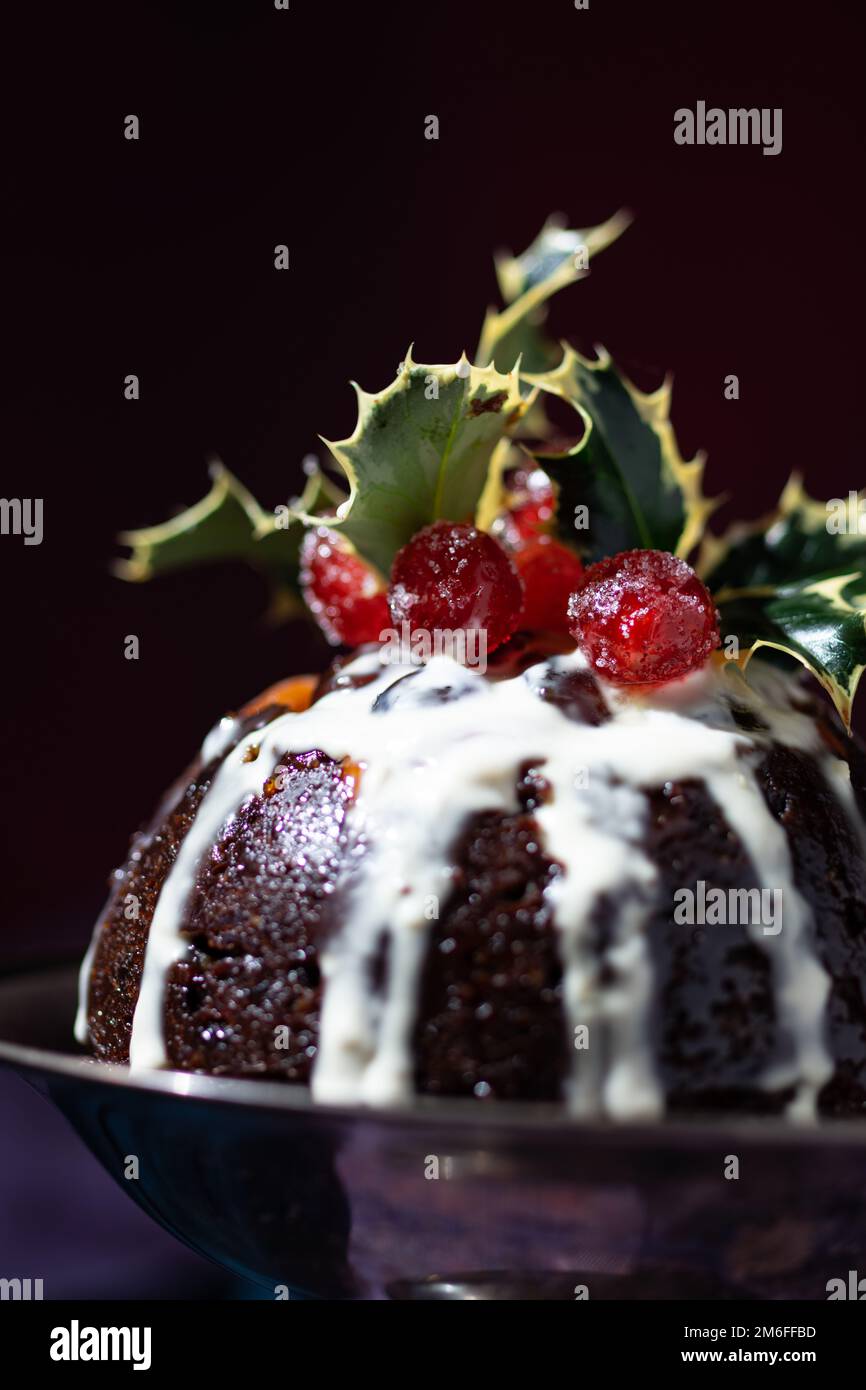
<point>625,484</point>
<point>558,257</point>
<point>820,622</point>
<point>795,581</point>
<point>420,452</point>
<point>800,538</point>
<point>227,524</point>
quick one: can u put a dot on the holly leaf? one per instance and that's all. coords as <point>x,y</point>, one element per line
<point>420,452</point>
<point>559,256</point>
<point>797,540</point>
<point>795,581</point>
<point>227,524</point>
<point>626,473</point>
<point>820,622</point>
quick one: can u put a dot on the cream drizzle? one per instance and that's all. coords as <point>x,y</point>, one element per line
<point>427,768</point>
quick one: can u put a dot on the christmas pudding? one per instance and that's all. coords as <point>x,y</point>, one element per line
<point>544,830</point>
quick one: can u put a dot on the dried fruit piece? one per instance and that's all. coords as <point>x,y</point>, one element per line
<point>643,617</point>
<point>296,693</point>
<point>343,593</point>
<point>452,577</point>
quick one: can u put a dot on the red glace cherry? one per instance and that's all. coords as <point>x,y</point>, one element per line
<point>343,593</point>
<point>451,577</point>
<point>534,501</point>
<point>532,506</point>
<point>643,617</point>
<point>550,574</point>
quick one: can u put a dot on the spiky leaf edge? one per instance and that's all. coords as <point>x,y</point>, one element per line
<point>488,397</point>
<point>227,524</point>
<point>526,308</point>
<point>744,607</point>
<point>678,477</point>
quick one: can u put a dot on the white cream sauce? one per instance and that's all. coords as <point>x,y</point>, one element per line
<point>427,767</point>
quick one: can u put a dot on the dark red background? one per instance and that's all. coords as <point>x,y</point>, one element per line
<point>306,127</point>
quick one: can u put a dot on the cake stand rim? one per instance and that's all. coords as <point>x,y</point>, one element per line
<point>509,1118</point>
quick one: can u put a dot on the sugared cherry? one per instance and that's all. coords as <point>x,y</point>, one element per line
<point>532,504</point>
<point>451,577</point>
<point>550,574</point>
<point>344,595</point>
<point>643,617</point>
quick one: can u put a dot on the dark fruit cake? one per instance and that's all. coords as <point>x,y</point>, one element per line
<point>539,834</point>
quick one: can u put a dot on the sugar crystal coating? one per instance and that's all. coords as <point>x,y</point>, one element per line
<point>452,577</point>
<point>643,617</point>
<point>342,592</point>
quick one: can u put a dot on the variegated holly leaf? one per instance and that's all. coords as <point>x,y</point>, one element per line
<point>420,452</point>
<point>559,256</point>
<point>625,484</point>
<point>798,539</point>
<point>820,621</point>
<point>227,524</point>
<point>795,581</point>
